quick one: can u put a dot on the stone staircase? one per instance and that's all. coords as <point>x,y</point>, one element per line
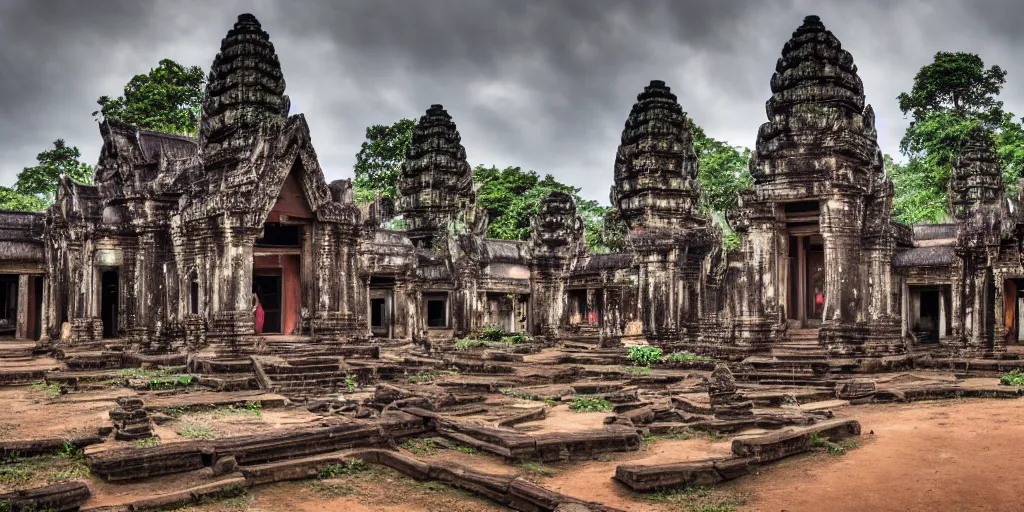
<point>16,351</point>
<point>302,378</point>
<point>799,360</point>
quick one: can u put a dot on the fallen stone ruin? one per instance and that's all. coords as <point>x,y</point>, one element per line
<point>499,400</point>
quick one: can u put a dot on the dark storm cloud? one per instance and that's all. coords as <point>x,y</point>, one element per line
<point>545,85</point>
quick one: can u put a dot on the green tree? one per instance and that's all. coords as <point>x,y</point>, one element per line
<point>379,161</point>
<point>36,187</point>
<point>950,97</point>
<point>166,99</point>
<point>724,172</point>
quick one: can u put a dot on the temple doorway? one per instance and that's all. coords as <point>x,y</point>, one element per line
<point>267,287</point>
<point>110,281</point>
<point>806,266</point>
<point>382,292</point>
<point>929,312</point>
<point>8,304</point>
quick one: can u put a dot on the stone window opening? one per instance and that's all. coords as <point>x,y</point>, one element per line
<point>193,293</point>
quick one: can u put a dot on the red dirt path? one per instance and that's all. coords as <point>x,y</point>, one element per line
<point>949,455</point>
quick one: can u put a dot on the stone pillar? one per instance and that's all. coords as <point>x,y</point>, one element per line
<point>21,322</point>
<point>839,218</point>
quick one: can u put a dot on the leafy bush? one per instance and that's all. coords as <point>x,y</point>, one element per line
<point>584,404</point>
<point>519,337</point>
<point>643,355</point>
<point>1014,378</point>
<point>493,334</point>
<point>350,382</point>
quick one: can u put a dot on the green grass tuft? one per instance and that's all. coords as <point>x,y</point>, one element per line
<point>52,388</point>
<point>644,355</point>
<point>685,356</point>
<point>148,442</point>
<point>196,431</point>
<point>350,467</point>
<point>585,404</point>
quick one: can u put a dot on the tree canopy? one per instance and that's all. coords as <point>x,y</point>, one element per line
<point>37,185</point>
<point>379,161</point>
<point>950,97</point>
<point>724,172</point>
<point>512,197</point>
<point>167,99</point>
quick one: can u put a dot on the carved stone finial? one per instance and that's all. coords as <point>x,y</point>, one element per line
<point>436,184</point>
<point>244,91</point>
<point>656,167</point>
<point>556,224</point>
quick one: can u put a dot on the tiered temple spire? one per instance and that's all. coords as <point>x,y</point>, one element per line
<point>655,166</point>
<point>437,181</point>
<point>244,91</point>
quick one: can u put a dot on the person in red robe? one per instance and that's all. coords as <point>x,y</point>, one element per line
<point>258,311</point>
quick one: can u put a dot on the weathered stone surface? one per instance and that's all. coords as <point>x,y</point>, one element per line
<point>62,497</point>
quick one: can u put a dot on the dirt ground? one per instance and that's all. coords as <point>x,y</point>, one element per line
<point>962,455</point>
<point>958,455</point>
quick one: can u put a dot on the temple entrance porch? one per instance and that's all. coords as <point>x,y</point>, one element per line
<point>277,276</point>
<point>382,306</point>
<point>804,270</point>
<point>109,291</point>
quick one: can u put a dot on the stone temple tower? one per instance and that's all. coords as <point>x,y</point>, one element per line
<point>244,96</point>
<point>437,182</point>
<point>814,258</point>
<point>655,193</point>
<point>976,194</point>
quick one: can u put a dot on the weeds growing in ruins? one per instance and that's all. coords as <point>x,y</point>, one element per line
<point>685,356</point>
<point>160,383</point>
<point>697,499</point>
<point>1014,378</point>
<point>254,407</point>
<point>427,446</point>
<point>68,451</point>
<point>196,431</point>
<point>50,388</point>
<point>467,344</point>
<point>46,469</point>
<point>644,355</point>
<point>585,404</point>
<point>148,442</point>
<point>349,467</point>
<point>818,442</point>
<point>350,383</point>
<point>422,446</point>
<point>535,470</point>
<point>637,370</point>
<point>163,371</point>
<point>431,375</point>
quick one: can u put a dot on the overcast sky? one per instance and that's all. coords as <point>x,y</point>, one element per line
<point>545,85</point>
